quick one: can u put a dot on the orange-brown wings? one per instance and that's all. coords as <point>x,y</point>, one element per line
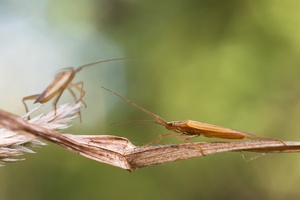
<point>210,130</point>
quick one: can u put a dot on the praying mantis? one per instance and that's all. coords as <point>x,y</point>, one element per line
<point>188,129</point>
<point>61,82</point>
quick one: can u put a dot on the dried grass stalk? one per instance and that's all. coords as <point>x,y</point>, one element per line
<point>13,144</point>
<point>112,150</point>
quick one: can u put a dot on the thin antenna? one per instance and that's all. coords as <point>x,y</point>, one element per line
<point>134,121</point>
<point>159,120</point>
<point>102,61</point>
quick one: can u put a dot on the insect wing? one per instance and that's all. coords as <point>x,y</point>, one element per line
<point>62,79</point>
<point>209,130</point>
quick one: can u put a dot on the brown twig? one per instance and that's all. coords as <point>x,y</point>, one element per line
<point>120,152</point>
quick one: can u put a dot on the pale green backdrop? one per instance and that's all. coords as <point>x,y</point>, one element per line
<point>232,63</point>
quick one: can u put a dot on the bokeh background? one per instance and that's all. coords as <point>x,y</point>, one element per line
<point>232,63</point>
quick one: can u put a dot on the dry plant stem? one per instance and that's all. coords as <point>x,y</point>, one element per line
<point>119,152</point>
<point>13,144</point>
<point>143,157</point>
<point>74,143</point>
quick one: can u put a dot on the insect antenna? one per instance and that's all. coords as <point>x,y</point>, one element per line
<point>134,121</point>
<point>158,120</point>
<point>101,61</point>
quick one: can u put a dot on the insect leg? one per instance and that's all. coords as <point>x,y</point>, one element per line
<point>78,86</point>
<point>181,136</point>
<point>186,139</point>
<point>74,96</point>
<point>254,137</point>
<point>72,93</point>
<point>31,97</point>
<point>54,103</point>
<point>160,137</point>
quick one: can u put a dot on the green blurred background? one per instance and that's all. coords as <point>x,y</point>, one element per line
<point>231,63</point>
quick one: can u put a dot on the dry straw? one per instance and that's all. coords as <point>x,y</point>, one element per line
<point>19,136</point>
<point>13,144</point>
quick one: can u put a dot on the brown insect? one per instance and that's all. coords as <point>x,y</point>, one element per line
<point>188,129</point>
<point>61,82</point>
